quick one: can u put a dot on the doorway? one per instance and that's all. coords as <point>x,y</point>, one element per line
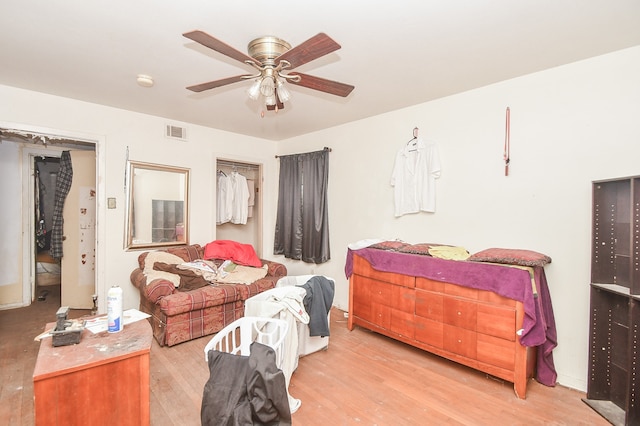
<point>47,268</point>
<point>33,273</point>
<point>72,274</point>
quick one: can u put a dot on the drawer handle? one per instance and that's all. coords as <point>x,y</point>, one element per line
<point>459,313</point>
<point>459,341</point>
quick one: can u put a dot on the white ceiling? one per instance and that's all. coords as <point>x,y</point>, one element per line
<point>396,53</point>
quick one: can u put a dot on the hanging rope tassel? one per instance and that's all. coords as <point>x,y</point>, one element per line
<point>507,143</point>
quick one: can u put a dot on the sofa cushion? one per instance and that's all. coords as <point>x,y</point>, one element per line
<point>189,279</point>
<point>164,257</point>
<point>212,295</point>
<point>186,253</point>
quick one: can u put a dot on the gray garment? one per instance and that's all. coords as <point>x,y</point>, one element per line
<point>317,303</point>
<point>245,390</point>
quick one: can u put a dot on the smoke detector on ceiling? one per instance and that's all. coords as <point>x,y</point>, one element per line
<point>144,80</point>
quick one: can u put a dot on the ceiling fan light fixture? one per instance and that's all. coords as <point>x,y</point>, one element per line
<point>270,100</point>
<point>267,86</point>
<point>254,90</point>
<point>269,56</point>
<point>283,93</point>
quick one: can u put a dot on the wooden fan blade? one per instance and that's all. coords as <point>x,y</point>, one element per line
<point>219,46</point>
<point>217,83</point>
<point>323,85</point>
<point>273,107</point>
<point>317,46</point>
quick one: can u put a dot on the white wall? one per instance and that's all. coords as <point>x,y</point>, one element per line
<point>11,218</point>
<point>569,126</point>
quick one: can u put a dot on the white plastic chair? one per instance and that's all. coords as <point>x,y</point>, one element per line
<point>236,338</point>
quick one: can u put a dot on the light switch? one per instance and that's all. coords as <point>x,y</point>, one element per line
<point>111,203</point>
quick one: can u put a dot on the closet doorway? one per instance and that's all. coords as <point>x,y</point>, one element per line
<point>247,231</point>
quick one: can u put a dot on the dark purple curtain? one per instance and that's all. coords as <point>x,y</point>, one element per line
<point>302,223</point>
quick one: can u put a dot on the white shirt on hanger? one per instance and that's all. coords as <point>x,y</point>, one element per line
<point>240,204</point>
<point>416,168</point>
<point>224,199</point>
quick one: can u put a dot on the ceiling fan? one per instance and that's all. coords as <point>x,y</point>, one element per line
<point>273,58</point>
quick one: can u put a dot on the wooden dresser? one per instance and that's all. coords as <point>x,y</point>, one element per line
<point>473,327</point>
<point>102,380</point>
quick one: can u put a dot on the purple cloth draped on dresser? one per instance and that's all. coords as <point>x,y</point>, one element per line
<point>539,329</point>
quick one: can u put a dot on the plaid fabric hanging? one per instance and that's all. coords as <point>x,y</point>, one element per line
<point>63,184</point>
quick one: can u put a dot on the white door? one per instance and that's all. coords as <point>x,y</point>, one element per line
<point>79,234</point>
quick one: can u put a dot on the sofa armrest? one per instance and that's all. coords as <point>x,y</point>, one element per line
<point>275,269</point>
<point>153,291</point>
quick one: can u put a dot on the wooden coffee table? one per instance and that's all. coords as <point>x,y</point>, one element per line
<point>104,379</point>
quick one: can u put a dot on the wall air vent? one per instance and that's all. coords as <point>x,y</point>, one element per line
<point>175,132</point>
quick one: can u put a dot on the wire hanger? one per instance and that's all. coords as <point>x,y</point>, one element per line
<point>414,140</point>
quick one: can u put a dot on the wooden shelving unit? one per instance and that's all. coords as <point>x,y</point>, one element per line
<point>615,301</point>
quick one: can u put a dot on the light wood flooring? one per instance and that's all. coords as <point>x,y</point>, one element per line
<point>362,379</point>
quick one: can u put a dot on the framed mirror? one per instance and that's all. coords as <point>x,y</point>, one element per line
<point>157,206</point>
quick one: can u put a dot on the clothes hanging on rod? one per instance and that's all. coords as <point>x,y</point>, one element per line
<point>223,198</point>
<point>232,199</point>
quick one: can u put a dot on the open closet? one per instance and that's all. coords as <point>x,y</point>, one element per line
<point>239,202</point>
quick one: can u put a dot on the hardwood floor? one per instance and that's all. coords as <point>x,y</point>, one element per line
<point>362,379</point>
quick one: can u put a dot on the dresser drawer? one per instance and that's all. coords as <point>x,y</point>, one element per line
<point>497,321</point>
<point>402,299</point>
<point>428,305</point>
<point>460,312</point>
<point>462,291</point>
<point>429,332</point>
<point>402,323</point>
<point>496,352</point>
<point>430,285</point>
<point>361,299</point>
<point>364,268</point>
<point>460,341</point>
<point>381,315</point>
<point>372,291</point>
<point>495,299</point>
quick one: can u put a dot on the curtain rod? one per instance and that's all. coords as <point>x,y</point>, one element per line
<point>239,165</point>
<point>326,148</point>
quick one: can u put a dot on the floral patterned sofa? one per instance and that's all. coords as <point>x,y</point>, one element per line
<point>179,314</point>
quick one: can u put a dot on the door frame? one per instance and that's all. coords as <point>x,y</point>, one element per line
<point>28,225</point>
